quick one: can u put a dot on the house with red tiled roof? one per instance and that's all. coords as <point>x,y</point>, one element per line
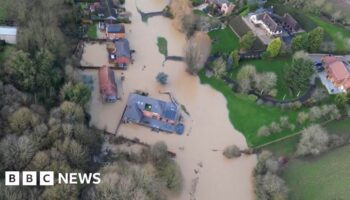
<point>337,72</point>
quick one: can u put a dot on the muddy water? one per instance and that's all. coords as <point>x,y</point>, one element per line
<point>208,129</point>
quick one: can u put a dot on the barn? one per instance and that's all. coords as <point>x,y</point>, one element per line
<point>108,87</point>
<point>8,34</point>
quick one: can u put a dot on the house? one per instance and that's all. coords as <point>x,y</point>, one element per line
<point>115,31</point>
<point>108,87</point>
<point>225,6</point>
<point>122,53</point>
<point>290,24</point>
<point>107,11</point>
<point>337,72</point>
<point>156,114</point>
<point>266,22</point>
<point>94,6</point>
<point>8,34</point>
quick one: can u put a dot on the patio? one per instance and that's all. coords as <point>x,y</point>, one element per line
<point>328,84</point>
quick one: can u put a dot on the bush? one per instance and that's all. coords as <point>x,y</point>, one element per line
<point>302,117</point>
<point>159,153</point>
<point>162,78</point>
<point>22,119</point>
<point>275,127</point>
<point>315,113</point>
<point>232,151</point>
<point>170,173</point>
<point>77,93</point>
<point>264,131</point>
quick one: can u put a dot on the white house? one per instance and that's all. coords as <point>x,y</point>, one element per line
<point>9,34</point>
<point>225,6</point>
<point>266,22</point>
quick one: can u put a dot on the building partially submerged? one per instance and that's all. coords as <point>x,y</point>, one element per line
<point>104,10</point>
<point>115,31</point>
<point>122,54</point>
<point>156,114</point>
<point>8,34</point>
<point>337,72</point>
<point>108,86</point>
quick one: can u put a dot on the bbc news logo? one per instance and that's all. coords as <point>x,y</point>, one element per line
<point>47,178</point>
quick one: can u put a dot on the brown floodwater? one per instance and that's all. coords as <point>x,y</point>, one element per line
<point>208,129</point>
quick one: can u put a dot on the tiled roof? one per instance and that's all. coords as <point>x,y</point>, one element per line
<point>115,28</point>
<point>267,19</point>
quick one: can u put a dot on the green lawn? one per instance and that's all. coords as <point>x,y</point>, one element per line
<point>325,177</point>
<point>278,66</point>
<point>224,41</point>
<point>287,147</point>
<point>246,115</point>
<point>162,46</point>
<point>7,51</point>
<point>92,31</point>
<point>339,35</point>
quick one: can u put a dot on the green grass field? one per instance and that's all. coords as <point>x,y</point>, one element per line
<point>162,46</point>
<point>246,115</point>
<point>325,177</point>
<point>340,36</point>
<point>278,66</point>
<point>287,147</point>
<point>92,31</point>
<point>224,41</point>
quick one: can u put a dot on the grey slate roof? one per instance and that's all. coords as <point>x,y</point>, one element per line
<point>137,103</point>
<point>123,48</point>
<point>115,28</point>
<point>289,22</point>
<point>267,19</point>
<point>108,9</point>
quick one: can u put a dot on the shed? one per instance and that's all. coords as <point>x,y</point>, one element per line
<point>9,34</point>
<point>108,87</point>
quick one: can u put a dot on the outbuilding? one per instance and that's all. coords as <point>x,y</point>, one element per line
<point>108,86</point>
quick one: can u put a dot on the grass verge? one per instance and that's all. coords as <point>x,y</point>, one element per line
<point>323,178</point>
<point>246,116</point>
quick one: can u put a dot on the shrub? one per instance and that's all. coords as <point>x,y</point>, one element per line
<point>77,93</point>
<point>22,119</point>
<point>275,127</point>
<point>159,153</point>
<point>232,151</point>
<point>315,113</point>
<point>302,117</point>
<point>264,131</point>
<point>162,78</point>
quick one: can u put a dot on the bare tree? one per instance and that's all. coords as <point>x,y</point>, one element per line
<point>219,67</point>
<point>245,77</point>
<point>314,140</point>
<point>197,51</point>
<point>265,82</point>
<point>232,151</point>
